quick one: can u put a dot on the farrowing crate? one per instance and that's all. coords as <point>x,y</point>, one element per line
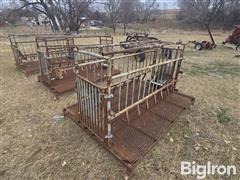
<point>24,51</point>
<point>56,59</point>
<point>130,104</point>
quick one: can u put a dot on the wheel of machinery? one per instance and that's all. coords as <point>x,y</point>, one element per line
<point>198,46</point>
<point>238,47</point>
<point>141,56</point>
<point>167,53</point>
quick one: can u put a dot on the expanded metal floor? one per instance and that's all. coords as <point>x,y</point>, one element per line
<point>68,82</point>
<point>59,86</point>
<point>131,141</point>
<point>29,68</point>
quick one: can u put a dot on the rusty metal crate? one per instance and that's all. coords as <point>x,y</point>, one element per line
<point>132,103</point>
<point>56,59</point>
<point>24,50</point>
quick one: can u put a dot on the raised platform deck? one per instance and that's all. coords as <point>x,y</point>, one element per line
<point>68,83</point>
<point>59,86</point>
<point>29,68</point>
<point>135,136</point>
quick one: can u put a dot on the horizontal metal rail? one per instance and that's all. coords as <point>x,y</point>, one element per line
<point>92,62</point>
<point>145,69</point>
<point>144,99</point>
<point>93,54</point>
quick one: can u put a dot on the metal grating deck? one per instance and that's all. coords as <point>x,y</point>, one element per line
<point>68,83</point>
<point>29,68</point>
<point>131,141</point>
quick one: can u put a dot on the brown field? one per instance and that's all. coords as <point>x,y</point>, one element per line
<point>34,146</point>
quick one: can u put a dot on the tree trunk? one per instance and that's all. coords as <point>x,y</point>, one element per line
<point>77,29</point>
<point>124,28</point>
<point>114,27</point>
<point>55,25</point>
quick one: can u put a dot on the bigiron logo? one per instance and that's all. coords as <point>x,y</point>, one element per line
<point>202,171</point>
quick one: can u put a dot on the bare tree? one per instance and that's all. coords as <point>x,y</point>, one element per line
<point>113,9</point>
<point>63,14</point>
<point>216,12</point>
<point>73,13</point>
<point>128,12</point>
<point>145,9</point>
<point>46,7</point>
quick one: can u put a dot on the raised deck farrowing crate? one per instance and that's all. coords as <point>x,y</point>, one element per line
<point>56,58</point>
<point>24,51</point>
<point>131,100</point>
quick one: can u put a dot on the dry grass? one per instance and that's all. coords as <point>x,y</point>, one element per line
<point>34,146</point>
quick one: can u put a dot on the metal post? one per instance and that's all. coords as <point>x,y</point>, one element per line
<point>108,97</point>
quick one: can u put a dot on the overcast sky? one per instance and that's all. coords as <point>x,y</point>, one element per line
<point>164,4</point>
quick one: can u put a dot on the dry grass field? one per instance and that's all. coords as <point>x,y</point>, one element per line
<point>35,146</point>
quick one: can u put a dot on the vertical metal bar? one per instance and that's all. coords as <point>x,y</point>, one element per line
<point>138,108</point>
<point>78,95</point>
<point>80,100</point>
<point>96,110</point>
<point>89,106</point>
<point>94,73</point>
<point>175,69</point>
<point>99,113</point>
<point>85,104</point>
<point>119,97</point>
<point>132,61</point>
<point>109,108</point>
<point>149,86</point>
<point>126,96</point>
<point>103,118</point>
<point>133,90</point>
<point>144,88</point>
<point>83,101</point>
<point>139,92</point>
<point>128,59</point>
<point>93,108</point>
<point>83,108</point>
<point>153,84</point>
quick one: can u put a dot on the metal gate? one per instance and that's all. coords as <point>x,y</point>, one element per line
<point>91,106</point>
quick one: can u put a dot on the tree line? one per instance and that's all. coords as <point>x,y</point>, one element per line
<point>217,13</point>
<point>69,15</point>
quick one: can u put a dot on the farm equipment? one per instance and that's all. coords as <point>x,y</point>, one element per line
<point>139,37</point>
<point>57,62</point>
<point>205,44</point>
<point>127,105</point>
<point>24,51</point>
<point>234,38</point>
<point>135,41</point>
